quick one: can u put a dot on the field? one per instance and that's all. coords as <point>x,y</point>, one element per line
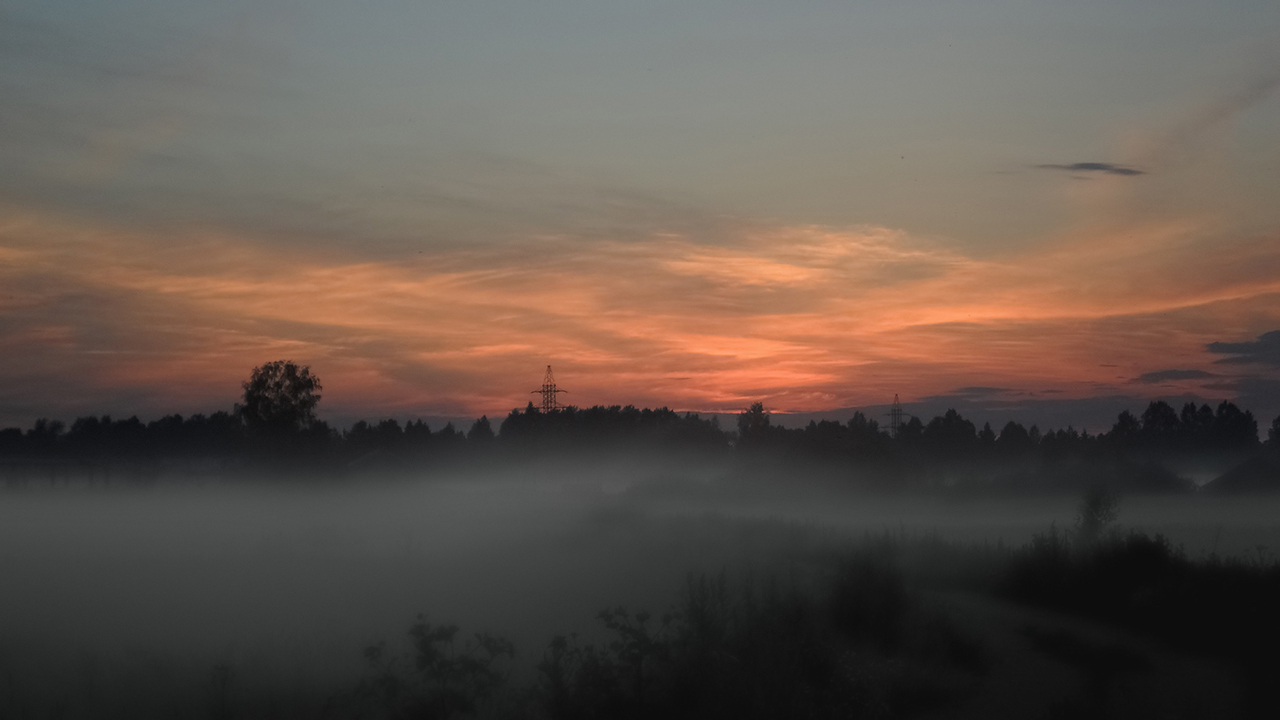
<point>237,599</point>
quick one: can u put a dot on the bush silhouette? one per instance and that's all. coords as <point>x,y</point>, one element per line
<point>448,679</point>
<point>856,645</point>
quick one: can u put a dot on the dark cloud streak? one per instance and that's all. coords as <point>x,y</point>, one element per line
<point>972,392</point>
<point>1100,167</point>
<point>1265,350</point>
<point>1165,375</point>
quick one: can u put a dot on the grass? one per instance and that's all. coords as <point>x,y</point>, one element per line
<point>857,633</point>
<point>1227,608</point>
<point>854,644</point>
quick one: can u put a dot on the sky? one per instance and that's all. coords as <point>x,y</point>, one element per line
<point>1049,210</point>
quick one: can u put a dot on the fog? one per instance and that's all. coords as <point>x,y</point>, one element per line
<point>297,579</point>
<point>289,581</point>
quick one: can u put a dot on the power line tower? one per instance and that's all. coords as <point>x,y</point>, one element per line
<point>895,417</point>
<point>548,392</point>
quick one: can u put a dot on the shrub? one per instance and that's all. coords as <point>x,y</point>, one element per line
<point>448,679</point>
<point>856,646</point>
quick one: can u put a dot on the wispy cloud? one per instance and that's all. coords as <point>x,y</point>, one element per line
<point>1206,121</point>
<point>102,318</point>
<point>1160,376</point>
<point>975,392</point>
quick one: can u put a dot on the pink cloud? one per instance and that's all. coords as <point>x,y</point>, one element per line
<point>803,316</point>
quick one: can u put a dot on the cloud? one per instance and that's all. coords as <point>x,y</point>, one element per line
<point>1265,350</point>
<point>98,318</point>
<point>1160,376</point>
<point>981,390</point>
<point>1207,121</point>
<point>1099,167</point>
<point>973,392</point>
<point>1262,395</point>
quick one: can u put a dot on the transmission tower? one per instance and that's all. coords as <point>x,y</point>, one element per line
<point>895,417</point>
<point>548,392</point>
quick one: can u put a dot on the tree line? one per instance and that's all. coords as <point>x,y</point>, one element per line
<point>275,423</point>
<point>950,436</point>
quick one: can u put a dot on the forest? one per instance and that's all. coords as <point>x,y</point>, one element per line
<point>617,562</point>
<point>1146,452</point>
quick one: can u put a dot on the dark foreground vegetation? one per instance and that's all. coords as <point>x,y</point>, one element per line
<point>854,646</point>
<point>867,636</point>
<point>1084,621</point>
<point>864,642</point>
<point>274,430</point>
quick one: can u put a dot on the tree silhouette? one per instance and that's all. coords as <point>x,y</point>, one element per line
<point>481,431</point>
<point>1160,425</point>
<point>1233,427</point>
<point>911,432</point>
<point>986,437</point>
<point>1125,433</point>
<point>753,426</point>
<point>1197,425</point>
<point>1014,440</point>
<point>280,399</point>
<point>950,435</point>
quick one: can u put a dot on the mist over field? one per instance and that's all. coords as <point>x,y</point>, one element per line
<point>696,360</point>
<point>116,595</point>
<point>603,562</point>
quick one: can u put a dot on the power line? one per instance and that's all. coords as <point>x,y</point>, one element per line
<point>895,415</point>
<point>548,392</point>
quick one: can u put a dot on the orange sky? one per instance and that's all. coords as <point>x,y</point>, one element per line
<point>804,318</point>
<point>816,207</point>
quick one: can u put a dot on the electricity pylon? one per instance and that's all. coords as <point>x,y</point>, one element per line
<point>895,416</point>
<point>548,392</point>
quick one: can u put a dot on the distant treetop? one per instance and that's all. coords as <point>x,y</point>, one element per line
<point>280,396</point>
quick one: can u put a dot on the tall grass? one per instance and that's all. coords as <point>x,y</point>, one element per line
<point>854,635</point>
<point>855,644</point>
<point>1224,607</point>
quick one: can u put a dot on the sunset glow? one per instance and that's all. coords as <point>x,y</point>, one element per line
<point>427,254</point>
<point>804,318</point>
